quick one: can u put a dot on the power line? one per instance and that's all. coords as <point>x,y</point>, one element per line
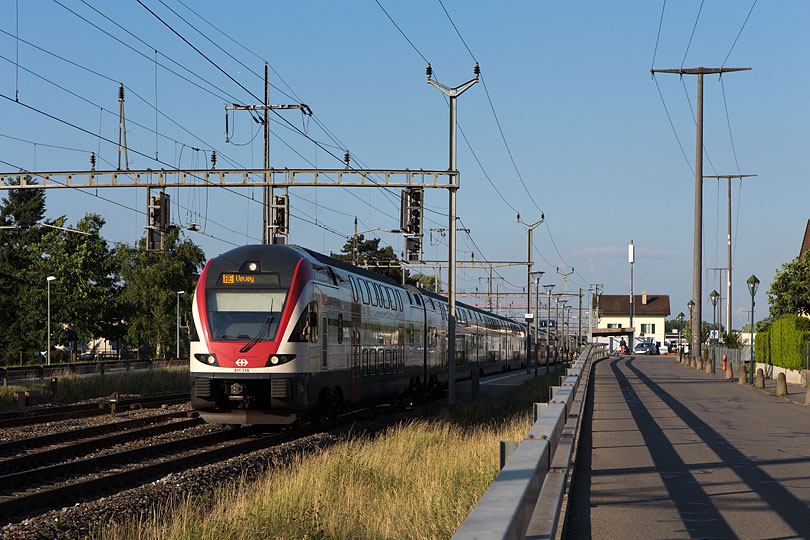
<point>693,33</point>
<point>739,33</point>
<point>658,36</point>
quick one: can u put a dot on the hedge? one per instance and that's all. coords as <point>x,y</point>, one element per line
<point>784,343</point>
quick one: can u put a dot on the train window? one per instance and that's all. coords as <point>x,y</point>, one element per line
<point>392,303</point>
<point>397,366</point>
<point>410,335</point>
<point>434,337</point>
<point>418,300</point>
<point>410,300</point>
<point>400,303</point>
<point>354,289</point>
<point>388,366</point>
<point>432,304</point>
<point>365,361</point>
<point>340,328</point>
<point>361,284</point>
<point>375,366</point>
<point>371,294</point>
<point>385,300</point>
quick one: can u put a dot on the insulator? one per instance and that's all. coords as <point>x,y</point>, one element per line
<point>92,161</point>
<point>346,159</point>
<point>121,92</point>
<point>477,70</point>
<point>429,71</point>
<point>226,126</point>
<point>213,159</point>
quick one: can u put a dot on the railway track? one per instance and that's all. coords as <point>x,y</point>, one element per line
<point>41,483</point>
<point>83,410</point>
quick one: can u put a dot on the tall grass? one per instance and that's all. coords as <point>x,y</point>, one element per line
<point>418,479</point>
<point>72,387</point>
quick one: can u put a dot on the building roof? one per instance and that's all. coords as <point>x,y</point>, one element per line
<point>805,240</point>
<point>618,305</point>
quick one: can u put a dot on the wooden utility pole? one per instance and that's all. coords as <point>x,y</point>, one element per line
<point>697,266</point>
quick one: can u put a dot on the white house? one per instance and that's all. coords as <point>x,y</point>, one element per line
<point>650,312</point>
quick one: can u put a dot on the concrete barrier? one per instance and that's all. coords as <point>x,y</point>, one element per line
<point>743,375</point>
<point>527,496</point>
<point>760,379</point>
<point>729,372</point>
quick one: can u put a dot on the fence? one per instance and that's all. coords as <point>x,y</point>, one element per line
<point>40,372</point>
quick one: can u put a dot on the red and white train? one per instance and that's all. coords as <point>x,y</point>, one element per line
<point>282,332</point>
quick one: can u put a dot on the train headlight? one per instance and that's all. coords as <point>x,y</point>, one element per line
<point>237,389</point>
<point>207,358</point>
<point>278,359</point>
<point>252,267</point>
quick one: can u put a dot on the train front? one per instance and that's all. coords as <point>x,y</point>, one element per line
<point>247,365</point>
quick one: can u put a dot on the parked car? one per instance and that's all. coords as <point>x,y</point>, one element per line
<point>644,347</point>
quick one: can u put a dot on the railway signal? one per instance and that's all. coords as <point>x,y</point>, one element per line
<point>158,212</point>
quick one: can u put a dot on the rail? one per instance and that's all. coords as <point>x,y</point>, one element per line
<point>526,498</point>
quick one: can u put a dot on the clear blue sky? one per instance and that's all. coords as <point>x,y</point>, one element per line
<point>569,81</point>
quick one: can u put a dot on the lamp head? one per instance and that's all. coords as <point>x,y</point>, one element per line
<point>753,283</point>
<point>680,316</point>
<point>690,304</point>
<point>713,296</point>
<point>50,278</point>
<point>548,287</point>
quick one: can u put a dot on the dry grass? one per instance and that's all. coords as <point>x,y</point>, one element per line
<point>72,388</point>
<point>418,480</point>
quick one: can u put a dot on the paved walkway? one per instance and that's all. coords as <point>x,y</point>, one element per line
<point>670,452</point>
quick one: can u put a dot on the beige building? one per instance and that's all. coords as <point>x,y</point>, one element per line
<point>650,312</point>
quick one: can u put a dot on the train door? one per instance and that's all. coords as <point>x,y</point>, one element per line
<point>399,359</point>
<point>357,368</point>
<point>324,342</point>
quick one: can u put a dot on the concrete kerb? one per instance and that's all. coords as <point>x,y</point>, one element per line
<point>505,511</point>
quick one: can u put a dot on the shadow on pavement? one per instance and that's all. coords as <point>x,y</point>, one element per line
<point>792,510</point>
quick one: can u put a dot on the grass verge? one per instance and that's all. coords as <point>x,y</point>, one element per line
<point>419,479</point>
<point>72,388</point>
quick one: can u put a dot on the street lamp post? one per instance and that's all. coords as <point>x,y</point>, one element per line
<point>752,283</point>
<point>178,323</point>
<point>680,326</point>
<point>49,279</point>
<point>714,296</point>
<point>537,275</point>
<point>691,305</point>
<point>548,288</point>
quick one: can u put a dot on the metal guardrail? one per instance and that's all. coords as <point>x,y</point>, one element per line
<point>526,498</point>
<point>81,368</point>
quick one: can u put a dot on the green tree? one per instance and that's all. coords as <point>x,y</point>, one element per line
<point>790,290</point>
<point>151,281</point>
<point>85,293</point>
<point>21,212</point>
<point>705,330</point>
<point>425,281</point>
<point>731,339</point>
<point>369,253</point>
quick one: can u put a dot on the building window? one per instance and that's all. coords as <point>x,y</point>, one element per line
<point>615,325</point>
<point>647,328</point>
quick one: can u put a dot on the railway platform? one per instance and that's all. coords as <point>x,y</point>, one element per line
<point>670,452</point>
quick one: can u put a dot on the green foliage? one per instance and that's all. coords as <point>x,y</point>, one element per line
<point>83,296</point>
<point>790,290</point>
<point>21,211</point>
<point>732,339</point>
<point>429,283</point>
<point>784,344</point>
<point>705,330</point>
<point>357,250</point>
<point>148,301</point>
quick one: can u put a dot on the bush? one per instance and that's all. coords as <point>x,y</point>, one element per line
<point>784,344</point>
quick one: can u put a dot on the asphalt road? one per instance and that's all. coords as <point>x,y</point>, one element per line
<point>669,452</point>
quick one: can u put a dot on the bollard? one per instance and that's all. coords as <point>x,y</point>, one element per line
<point>54,380</point>
<point>807,394</point>
<point>743,373</point>
<point>781,385</point>
<point>699,365</point>
<point>760,379</point>
<point>724,362</point>
<point>113,399</point>
<point>708,367</point>
<point>729,372</point>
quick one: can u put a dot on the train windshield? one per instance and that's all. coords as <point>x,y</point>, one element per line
<point>240,315</point>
